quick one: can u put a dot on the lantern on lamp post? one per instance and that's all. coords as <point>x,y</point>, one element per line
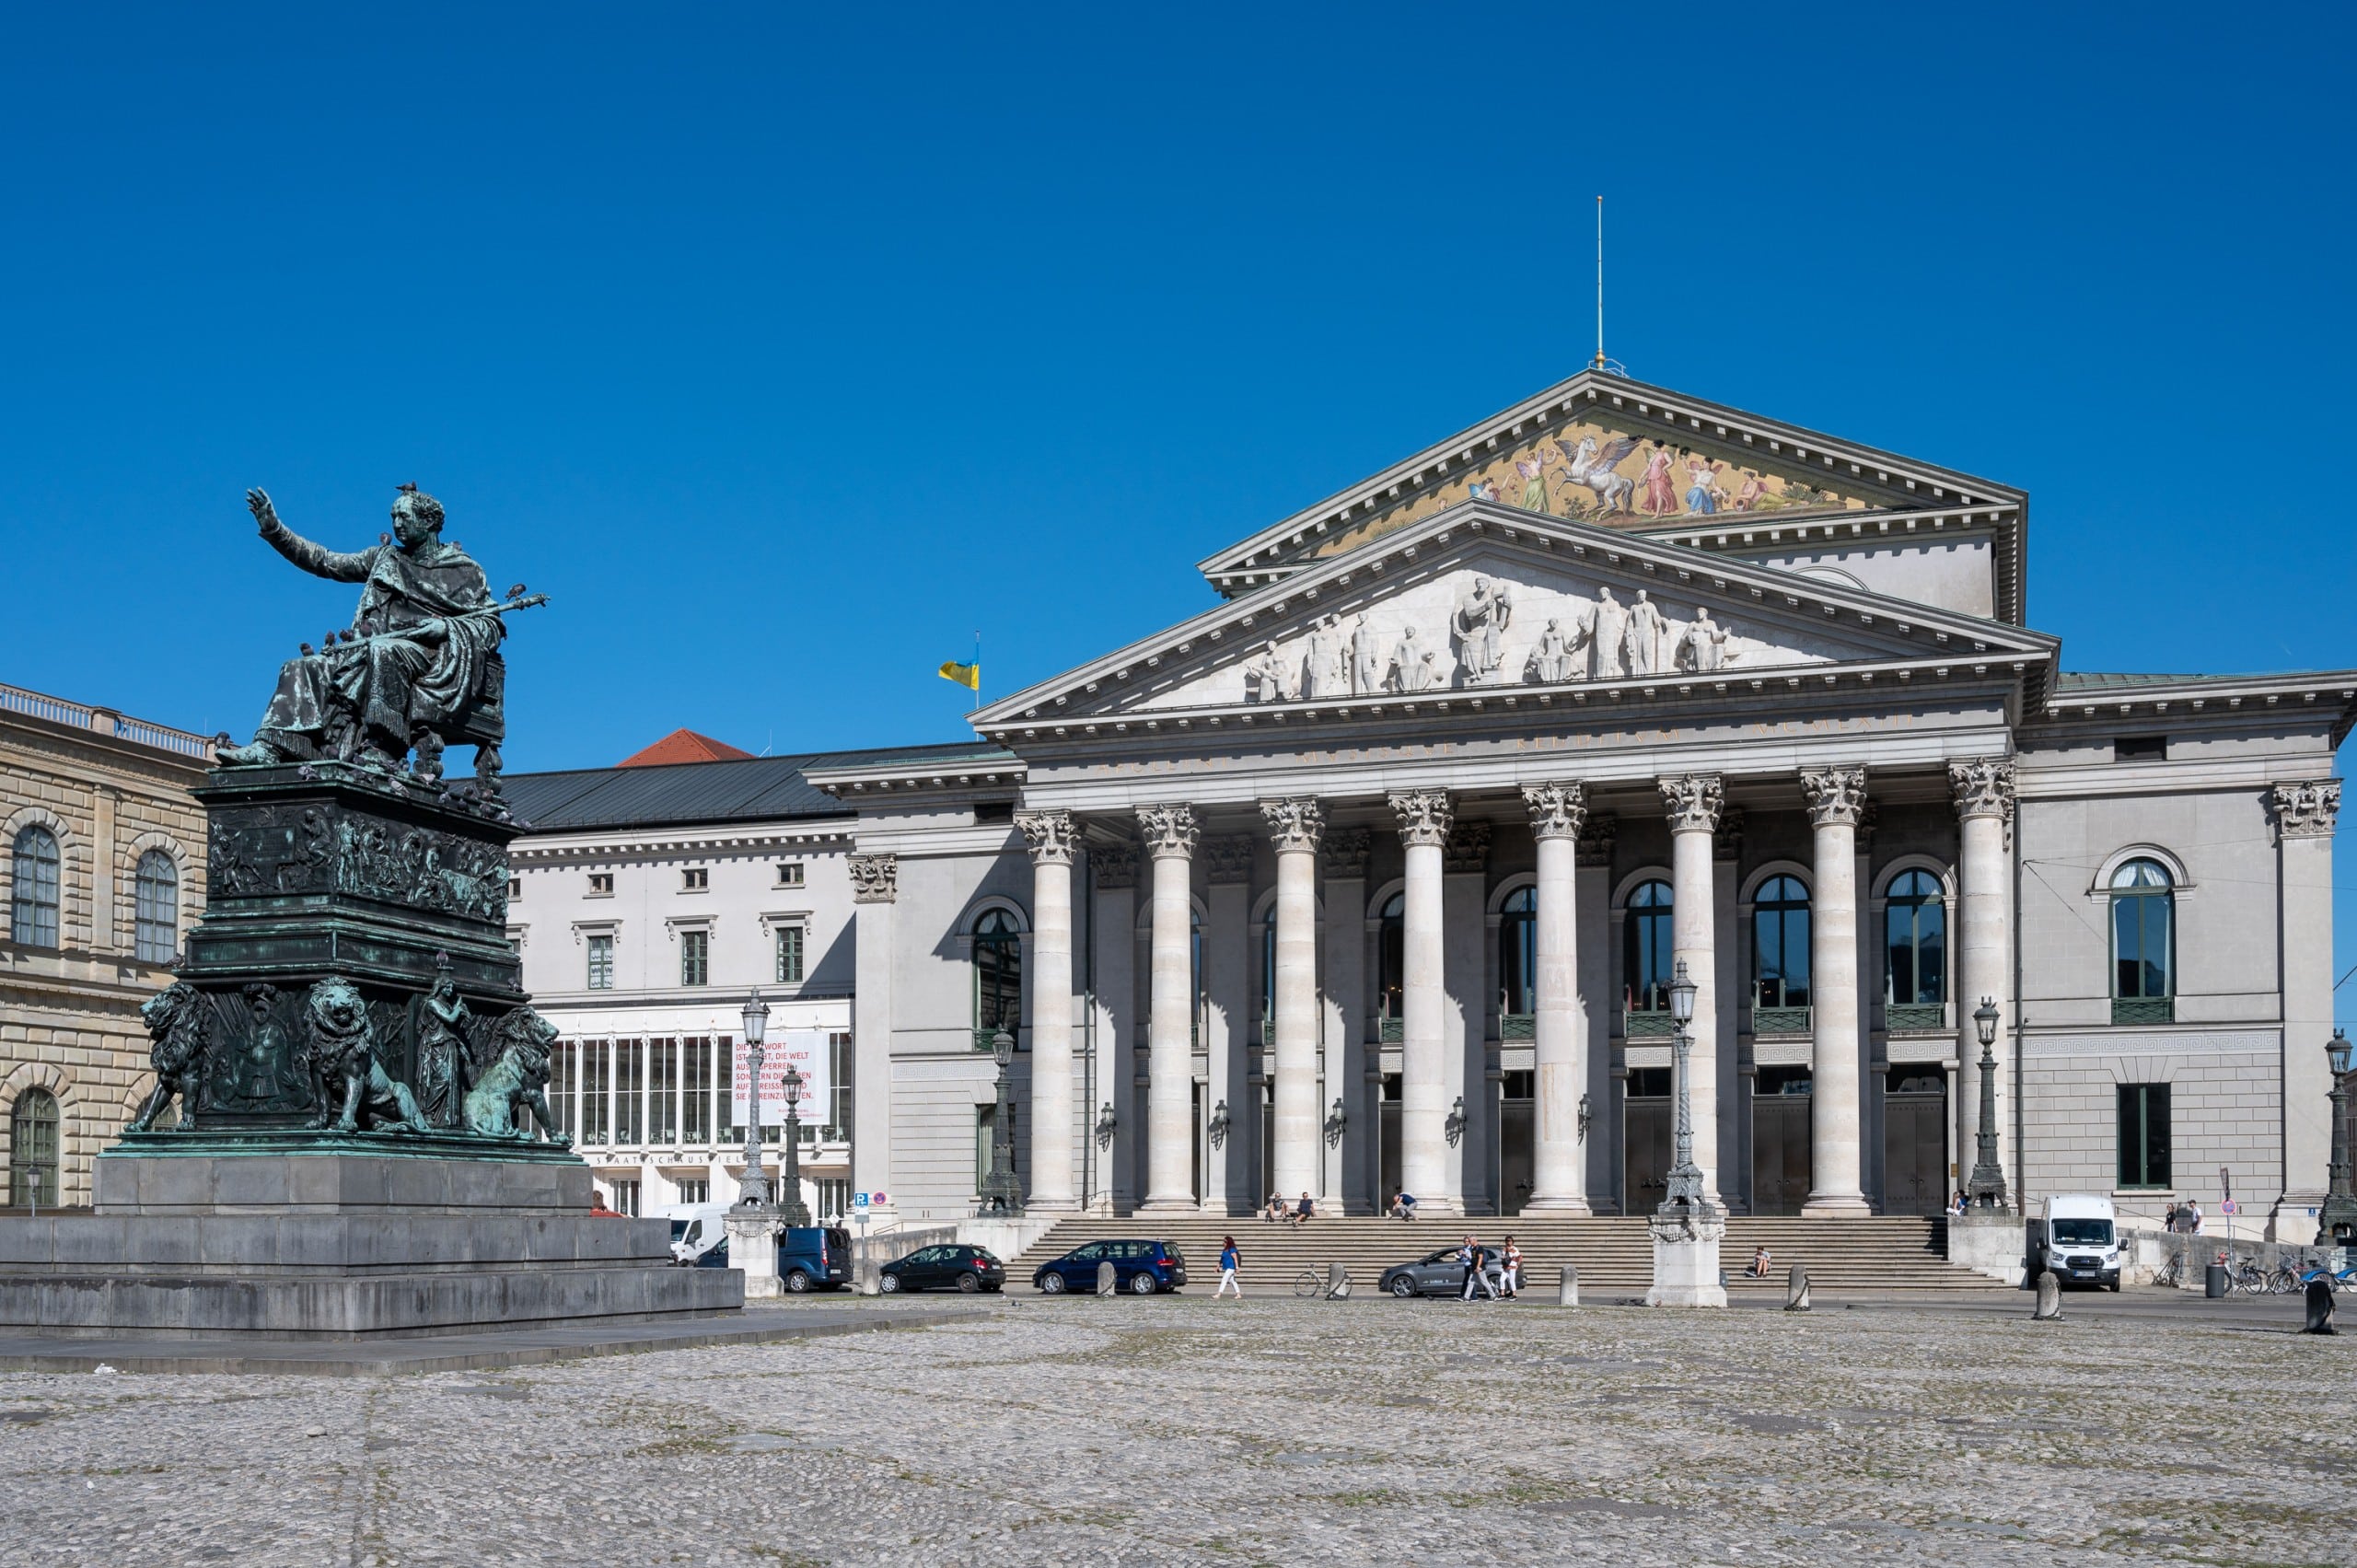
<point>2337,1223</point>
<point>1986,1190</point>
<point>753,1192</point>
<point>1685,1196</point>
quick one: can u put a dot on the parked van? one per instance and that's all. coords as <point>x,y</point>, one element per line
<point>2078,1238</point>
<point>699,1235</point>
<point>814,1258</point>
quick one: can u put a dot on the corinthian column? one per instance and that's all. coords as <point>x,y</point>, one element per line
<point>2304,817</point>
<point>1559,1168</point>
<point>1169,834</point>
<point>1984,806</point>
<point>1049,834</point>
<point>1693,802</point>
<point>1835,798</point>
<point>1296,825</point>
<point>1424,816</point>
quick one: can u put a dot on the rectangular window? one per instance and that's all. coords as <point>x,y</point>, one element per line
<point>695,1190</point>
<point>629,1076</point>
<point>695,947</point>
<point>789,873</point>
<point>834,1198</point>
<point>985,1118</point>
<point>839,1077</point>
<point>696,1072</point>
<point>2140,748</point>
<point>626,1196</point>
<point>601,884</point>
<point>596,1064</point>
<point>695,879</point>
<point>2145,1135</point>
<point>601,963</point>
<point>662,1107</point>
<point>789,955</point>
<point>563,1057</point>
<point>733,1135</point>
<point>515,889</point>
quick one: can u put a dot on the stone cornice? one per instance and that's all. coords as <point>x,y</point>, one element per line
<point>561,849</point>
<point>2330,695</point>
<point>965,776</point>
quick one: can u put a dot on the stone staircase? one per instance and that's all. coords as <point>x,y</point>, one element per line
<point>1614,1255</point>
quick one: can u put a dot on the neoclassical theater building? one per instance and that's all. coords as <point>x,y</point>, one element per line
<point>1373,876</point>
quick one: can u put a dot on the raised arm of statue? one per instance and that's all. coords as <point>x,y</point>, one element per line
<point>342,566</point>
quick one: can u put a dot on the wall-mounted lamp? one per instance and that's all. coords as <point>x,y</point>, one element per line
<point>1105,1125</point>
<point>1338,1121</point>
<point>1219,1125</point>
<point>1455,1126</point>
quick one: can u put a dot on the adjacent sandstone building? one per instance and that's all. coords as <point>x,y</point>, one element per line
<point>101,870</point>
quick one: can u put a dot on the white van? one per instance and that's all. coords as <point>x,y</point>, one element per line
<point>2079,1240</point>
<point>699,1235</point>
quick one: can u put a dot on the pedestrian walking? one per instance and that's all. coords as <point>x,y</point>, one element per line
<point>1476,1258</point>
<point>1229,1261</point>
<point>1513,1268</point>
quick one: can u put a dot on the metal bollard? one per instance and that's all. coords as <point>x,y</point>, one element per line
<point>1567,1288</point>
<point>1338,1282</point>
<point>1106,1278</point>
<point>1796,1289</point>
<point>2049,1299</point>
<point>2319,1308</point>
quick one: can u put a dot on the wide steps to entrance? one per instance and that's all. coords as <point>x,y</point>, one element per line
<point>1851,1256</point>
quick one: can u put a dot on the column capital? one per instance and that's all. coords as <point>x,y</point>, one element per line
<point>1693,802</point>
<point>1346,853</point>
<point>2305,810</point>
<point>1114,864</point>
<point>1467,848</point>
<point>1228,857</point>
<point>1983,788</point>
<point>1426,816</point>
<point>1170,831</point>
<point>1295,823</point>
<point>1557,810</point>
<point>1049,836</point>
<point>1836,795</point>
<point>875,879</point>
<point>1598,843</point>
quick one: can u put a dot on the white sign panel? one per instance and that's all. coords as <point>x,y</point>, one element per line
<point>805,1051</point>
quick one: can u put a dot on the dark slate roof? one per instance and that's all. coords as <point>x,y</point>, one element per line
<point>753,789</point>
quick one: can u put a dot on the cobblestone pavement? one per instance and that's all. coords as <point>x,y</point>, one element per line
<point>1269,1431</point>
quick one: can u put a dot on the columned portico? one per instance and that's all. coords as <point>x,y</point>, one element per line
<point>1294,826</point>
<point>1425,817</point>
<point>1836,795</point>
<point>1558,1174</point>
<point>1984,805</point>
<point>1169,832</point>
<point>1050,836</point>
<point>1694,802</point>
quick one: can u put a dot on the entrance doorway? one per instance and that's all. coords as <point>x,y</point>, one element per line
<point>1518,1141</point>
<point>1648,1123</point>
<point>1781,1166</point>
<point>1915,1141</point>
<point>1391,1150</point>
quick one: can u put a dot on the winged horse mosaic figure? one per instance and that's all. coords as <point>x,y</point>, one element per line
<point>1588,466</point>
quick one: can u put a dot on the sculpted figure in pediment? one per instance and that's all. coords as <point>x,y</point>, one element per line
<point>1644,636</point>
<point>1366,660</point>
<point>1606,630</point>
<point>1418,666</point>
<point>1264,677</point>
<point>1703,649</point>
<point>1551,659</point>
<point>1479,622</point>
<point>1323,676</point>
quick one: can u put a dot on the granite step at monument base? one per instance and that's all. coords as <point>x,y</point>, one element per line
<point>1877,1255</point>
<point>317,1234</point>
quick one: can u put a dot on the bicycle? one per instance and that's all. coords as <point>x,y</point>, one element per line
<point>1310,1282</point>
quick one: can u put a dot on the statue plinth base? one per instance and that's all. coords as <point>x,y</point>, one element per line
<point>1685,1258</point>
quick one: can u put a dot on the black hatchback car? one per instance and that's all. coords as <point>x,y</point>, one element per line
<point>967,1269</point>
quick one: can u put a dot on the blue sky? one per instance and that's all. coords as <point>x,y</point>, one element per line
<point>786,348</point>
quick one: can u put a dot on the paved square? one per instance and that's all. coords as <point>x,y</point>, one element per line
<point>1270,1431</point>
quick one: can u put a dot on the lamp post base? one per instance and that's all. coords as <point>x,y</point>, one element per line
<point>1686,1259</point>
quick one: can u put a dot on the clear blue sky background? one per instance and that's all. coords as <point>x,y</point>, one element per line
<point>786,348</point>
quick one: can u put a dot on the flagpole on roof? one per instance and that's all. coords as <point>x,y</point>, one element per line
<point>978,672</point>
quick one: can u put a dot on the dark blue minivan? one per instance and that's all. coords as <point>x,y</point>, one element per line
<point>814,1258</point>
<point>1141,1268</point>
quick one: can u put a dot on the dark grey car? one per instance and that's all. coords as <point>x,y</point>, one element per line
<point>1438,1273</point>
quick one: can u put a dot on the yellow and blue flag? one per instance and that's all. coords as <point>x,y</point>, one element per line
<point>966,675</point>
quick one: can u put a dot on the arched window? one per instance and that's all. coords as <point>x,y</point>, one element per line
<point>1780,943</point>
<point>998,975</point>
<point>1647,943</point>
<point>32,1150</point>
<point>2144,943</point>
<point>158,930</point>
<point>1915,932</point>
<point>1518,952</point>
<point>32,916</point>
<point>1391,957</point>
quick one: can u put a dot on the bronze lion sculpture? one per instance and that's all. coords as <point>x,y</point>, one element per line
<point>178,1030</point>
<point>347,1073</point>
<point>516,1082</point>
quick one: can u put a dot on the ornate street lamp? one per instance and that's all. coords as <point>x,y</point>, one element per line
<point>2337,1225</point>
<point>794,1211</point>
<point>1987,1187</point>
<point>1000,1192</point>
<point>754,1192</point>
<point>1685,1196</point>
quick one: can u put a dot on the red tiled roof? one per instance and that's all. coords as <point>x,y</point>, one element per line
<point>684,746</point>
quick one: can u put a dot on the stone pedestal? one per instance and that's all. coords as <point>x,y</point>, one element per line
<point>1991,1241</point>
<point>1686,1260</point>
<point>752,1249</point>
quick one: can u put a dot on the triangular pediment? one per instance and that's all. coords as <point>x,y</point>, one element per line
<point>1603,449</point>
<point>1485,596</point>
